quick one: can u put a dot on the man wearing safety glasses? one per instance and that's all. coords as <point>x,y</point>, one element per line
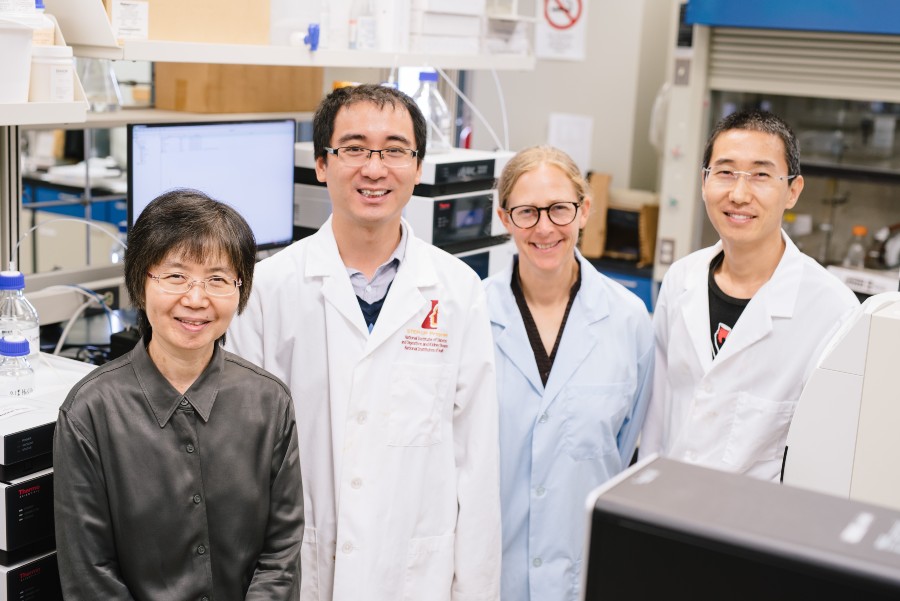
<point>740,325</point>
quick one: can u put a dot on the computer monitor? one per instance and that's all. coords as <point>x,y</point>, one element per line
<point>247,164</point>
<point>665,529</point>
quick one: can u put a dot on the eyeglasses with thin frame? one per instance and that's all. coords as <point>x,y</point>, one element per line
<point>357,156</point>
<point>729,177</point>
<point>559,213</point>
<point>179,283</point>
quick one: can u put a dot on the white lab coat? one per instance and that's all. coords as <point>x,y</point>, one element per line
<point>733,413</point>
<point>559,442</point>
<point>397,428</point>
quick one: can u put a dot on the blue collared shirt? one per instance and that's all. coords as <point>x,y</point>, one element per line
<point>372,292</point>
<point>375,289</point>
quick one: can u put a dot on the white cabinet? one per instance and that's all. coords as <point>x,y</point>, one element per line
<point>88,30</point>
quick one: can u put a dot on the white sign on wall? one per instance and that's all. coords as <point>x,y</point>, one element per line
<point>561,30</point>
<point>572,134</point>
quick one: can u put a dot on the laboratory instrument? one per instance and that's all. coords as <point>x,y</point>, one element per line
<point>843,437</point>
<point>665,529</point>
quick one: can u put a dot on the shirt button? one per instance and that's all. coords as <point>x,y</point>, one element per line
<point>543,419</point>
<point>347,548</point>
<point>362,417</point>
<point>536,562</point>
<point>540,491</point>
<point>204,598</point>
<point>197,499</point>
<point>201,550</point>
<point>189,448</point>
<point>368,289</point>
<point>183,403</point>
<point>356,483</point>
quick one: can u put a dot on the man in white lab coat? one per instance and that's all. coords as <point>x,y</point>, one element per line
<point>740,325</point>
<point>385,343</point>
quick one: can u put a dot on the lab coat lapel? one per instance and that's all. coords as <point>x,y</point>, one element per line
<point>405,297</point>
<point>775,299</point>
<point>695,310</point>
<point>581,333</point>
<point>325,261</point>
<point>512,340</point>
<point>345,331</point>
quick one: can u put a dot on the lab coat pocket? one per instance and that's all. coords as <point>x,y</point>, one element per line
<point>417,393</point>
<point>593,415</point>
<point>309,566</point>
<point>757,432</point>
<point>429,568</point>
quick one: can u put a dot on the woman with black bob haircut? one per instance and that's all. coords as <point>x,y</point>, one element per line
<point>176,467</point>
<point>191,222</point>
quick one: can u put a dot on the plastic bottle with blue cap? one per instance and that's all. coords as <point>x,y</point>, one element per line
<point>16,373</point>
<point>434,109</point>
<point>17,314</point>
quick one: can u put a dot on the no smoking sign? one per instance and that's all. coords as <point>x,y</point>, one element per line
<point>562,14</point>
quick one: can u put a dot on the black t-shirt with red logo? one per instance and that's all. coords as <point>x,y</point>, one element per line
<point>724,310</point>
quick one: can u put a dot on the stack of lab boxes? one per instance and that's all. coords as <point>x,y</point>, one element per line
<point>28,565</point>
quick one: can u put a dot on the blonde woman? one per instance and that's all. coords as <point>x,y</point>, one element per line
<point>574,355</point>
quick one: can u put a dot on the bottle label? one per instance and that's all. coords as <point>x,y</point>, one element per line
<point>17,385</point>
<point>33,336</point>
<point>62,84</point>
<point>363,33</point>
<point>16,390</point>
<point>45,36</point>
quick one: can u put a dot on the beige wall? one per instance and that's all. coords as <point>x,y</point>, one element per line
<point>626,54</point>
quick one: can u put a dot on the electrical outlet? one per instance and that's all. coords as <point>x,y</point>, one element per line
<point>665,254</point>
<point>110,298</point>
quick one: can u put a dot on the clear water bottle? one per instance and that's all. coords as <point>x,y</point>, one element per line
<point>437,116</point>
<point>16,374</point>
<point>17,315</point>
<point>856,253</point>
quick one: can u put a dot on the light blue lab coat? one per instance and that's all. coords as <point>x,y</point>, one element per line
<point>559,443</point>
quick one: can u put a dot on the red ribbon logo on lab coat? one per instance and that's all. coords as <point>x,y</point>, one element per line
<point>431,320</point>
<point>721,335</point>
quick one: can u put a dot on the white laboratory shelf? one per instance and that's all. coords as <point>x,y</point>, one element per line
<point>295,56</point>
<point>125,116</point>
<point>29,113</point>
<point>87,30</point>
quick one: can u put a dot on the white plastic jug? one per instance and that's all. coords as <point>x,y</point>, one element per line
<point>15,67</point>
